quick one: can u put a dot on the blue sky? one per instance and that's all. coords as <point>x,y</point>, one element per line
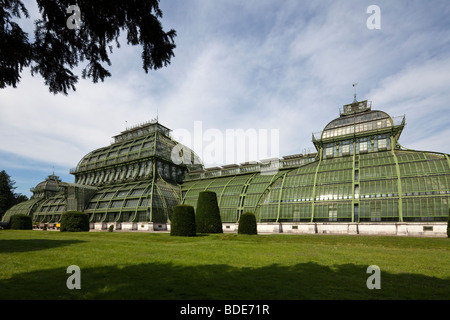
<point>261,64</point>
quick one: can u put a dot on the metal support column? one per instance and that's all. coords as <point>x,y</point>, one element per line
<point>399,182</point>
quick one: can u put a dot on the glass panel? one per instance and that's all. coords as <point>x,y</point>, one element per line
<point>329,152</point>
<point>363,147</point>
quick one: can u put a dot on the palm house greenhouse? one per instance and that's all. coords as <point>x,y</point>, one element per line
<point>359,180</point>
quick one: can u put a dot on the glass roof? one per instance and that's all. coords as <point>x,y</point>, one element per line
<point>359,119</point>
<point>147,140</point>
<point>354,119</point>
<point>328,190</point>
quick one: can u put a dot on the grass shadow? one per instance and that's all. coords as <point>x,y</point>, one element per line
<point>24,245</point>
<point>167,281</point>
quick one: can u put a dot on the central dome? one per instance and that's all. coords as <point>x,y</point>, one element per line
<point>47,188</point>
<point>357,118</point>
<point>147,140</point>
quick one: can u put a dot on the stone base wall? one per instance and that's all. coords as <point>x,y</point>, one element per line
<point>416,229</point>
<point>129,226</point>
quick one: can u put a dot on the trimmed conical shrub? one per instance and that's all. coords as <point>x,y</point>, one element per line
<point>74,221</point>
<point>448,224</point>
<point>247,223</point>
<point>183,221</point>
<point>21,222</point>
<point>207,214</point>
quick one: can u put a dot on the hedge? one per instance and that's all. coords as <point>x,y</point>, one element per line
<point>448,224</point>
<point>183,221</point>
<point>74,221</point>
<point>207,214</point>
<point>247,224</point>
<point>21,222</point>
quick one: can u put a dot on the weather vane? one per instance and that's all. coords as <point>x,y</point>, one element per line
<point>354,86</point>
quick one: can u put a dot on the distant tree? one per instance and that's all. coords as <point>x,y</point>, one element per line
<point>7,195</point>
<point>20,198</point>
<point>65,36</point>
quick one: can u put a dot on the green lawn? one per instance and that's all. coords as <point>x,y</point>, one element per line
<point>127,265</point>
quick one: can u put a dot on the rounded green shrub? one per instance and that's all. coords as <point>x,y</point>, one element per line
<point>183,221</point>
<point>207,214</point>
<point>247,223</point>
<point>21,222</point>
<point>74,221</point>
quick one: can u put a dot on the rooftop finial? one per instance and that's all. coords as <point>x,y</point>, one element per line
<point>354,96</point>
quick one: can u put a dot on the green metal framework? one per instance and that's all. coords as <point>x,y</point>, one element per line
<point>236,194</point>
<point>26,207</point>
<point>135,179</point>
<point>47,203</point>
<point>325,191</point>
<point>134,202</point>
<point>137,176</point>
<point>359,173</point>
<point>133,156</point>
<point>50,210</point>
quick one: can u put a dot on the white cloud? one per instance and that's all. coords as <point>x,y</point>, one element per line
<point>420,92</point>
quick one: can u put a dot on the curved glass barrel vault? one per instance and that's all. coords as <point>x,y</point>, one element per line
<point>136,176</point>
<point>360,174</point>
<point>51,209</point>
<point>341,189</point>
<point>134,202</point>
<point>26,207</point>
<point>235,194</point>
